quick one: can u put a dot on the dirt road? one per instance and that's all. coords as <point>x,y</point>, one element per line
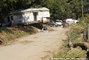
<point>40,46</point>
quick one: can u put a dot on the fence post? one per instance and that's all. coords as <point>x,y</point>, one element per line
<point>88,33</point>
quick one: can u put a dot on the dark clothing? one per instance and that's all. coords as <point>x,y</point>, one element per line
<point>45,27</point>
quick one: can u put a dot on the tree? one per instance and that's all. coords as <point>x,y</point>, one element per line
<point>76,7</point>
<point>59,9</point>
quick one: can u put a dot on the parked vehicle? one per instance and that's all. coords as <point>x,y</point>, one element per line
<point>70,20</point>
<point>52,23</point>
<point>65,24</point>
<point>58,22</point>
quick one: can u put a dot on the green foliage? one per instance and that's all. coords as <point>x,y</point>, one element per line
<point>75,33</point>
<point>76,7</point>
<point>60,9</point>
<point>84,20</point>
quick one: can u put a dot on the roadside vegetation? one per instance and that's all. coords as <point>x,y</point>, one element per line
<point>75,35</point>
<point>66,52</point>
<point>9,34</point>
<point>76,30</point>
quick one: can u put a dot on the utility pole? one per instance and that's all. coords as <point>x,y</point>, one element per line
<point>82,8</point>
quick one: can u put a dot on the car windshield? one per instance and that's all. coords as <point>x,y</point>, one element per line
<point>58,21</point>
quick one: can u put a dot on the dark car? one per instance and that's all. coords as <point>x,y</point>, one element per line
<point>51,23</point>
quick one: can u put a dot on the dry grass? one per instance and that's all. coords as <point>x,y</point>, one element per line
<point>66,52</point>
<point>74,35</point>
<point>9,34</point>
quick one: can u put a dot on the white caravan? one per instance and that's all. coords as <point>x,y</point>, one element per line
<point>28,16</point>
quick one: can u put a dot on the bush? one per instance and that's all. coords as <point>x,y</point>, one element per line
<point>75,33</point>
<point>84,20</point>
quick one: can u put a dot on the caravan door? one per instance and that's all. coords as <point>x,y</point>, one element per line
<point>35,15</point>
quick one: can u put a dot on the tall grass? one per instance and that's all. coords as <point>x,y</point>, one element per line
<point>8,34</point>
<point>74,35</point>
